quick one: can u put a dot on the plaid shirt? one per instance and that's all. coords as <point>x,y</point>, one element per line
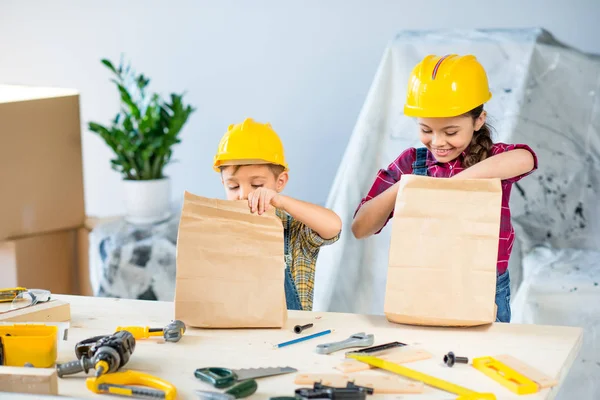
<point>403,165</point>
<point>304,246</point>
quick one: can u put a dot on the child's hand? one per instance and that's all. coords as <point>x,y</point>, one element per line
<point>262,199</point>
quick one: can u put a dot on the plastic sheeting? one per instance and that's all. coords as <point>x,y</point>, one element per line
<point>134,261</point>
<point>562,287</point>
<point>544,94</point>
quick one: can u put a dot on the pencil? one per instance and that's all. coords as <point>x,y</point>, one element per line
<point>302,339</point>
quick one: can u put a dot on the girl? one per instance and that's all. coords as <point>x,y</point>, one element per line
<point>446,95</point>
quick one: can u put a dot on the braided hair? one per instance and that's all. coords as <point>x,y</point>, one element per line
<point>481,143</point>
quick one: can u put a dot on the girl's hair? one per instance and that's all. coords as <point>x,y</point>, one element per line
<point>481,144</point>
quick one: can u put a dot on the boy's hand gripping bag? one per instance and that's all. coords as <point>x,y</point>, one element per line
<point>443,252</point>
<point>230,266</point>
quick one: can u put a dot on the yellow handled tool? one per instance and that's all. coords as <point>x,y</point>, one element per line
<point>127,384</point>
<point>172,332</point>
<point>9,294</point>
<point>463,392</point>
<point>506,376</point>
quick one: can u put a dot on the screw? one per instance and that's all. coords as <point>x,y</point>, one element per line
<point>299,328</point>
<point>450,359</point>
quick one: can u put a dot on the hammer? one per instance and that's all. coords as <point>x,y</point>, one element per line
<point>172,332</point>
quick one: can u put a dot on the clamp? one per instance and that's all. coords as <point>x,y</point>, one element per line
<point>356,340</point>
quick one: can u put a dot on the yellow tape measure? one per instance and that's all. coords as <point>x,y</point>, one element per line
<point>505,375</point>
<point>463,392</point>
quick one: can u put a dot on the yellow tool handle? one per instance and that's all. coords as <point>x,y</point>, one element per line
<point>118,382</point>
<point>9,294</point>
<point>138,332</point>
<point>419,376</point>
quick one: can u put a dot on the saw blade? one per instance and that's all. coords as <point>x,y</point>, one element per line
<point>253,373</point>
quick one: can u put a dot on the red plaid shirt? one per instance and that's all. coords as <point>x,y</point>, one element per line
<point>403,165</point>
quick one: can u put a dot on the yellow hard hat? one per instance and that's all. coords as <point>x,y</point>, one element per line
<point>446,86</point>
<point>249,143</point>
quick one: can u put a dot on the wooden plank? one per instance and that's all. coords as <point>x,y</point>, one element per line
<point>28,380</point>
<point>543,380</point>
<point>399,356</point>
<point>52,311</point>
<point>379,383</point>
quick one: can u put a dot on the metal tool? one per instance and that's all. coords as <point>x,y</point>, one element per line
<point>320,391</point>
<point>426,379</point>
<point>127,384</point>
<point>377,349</point>
<point>356,340</point>
<point>299,328</point>
<point>105,354</point>
<point>506,376</point>
<point>172,332</point>
<point>450,359</point>
<point>225,377</point>
<point>239,391</point>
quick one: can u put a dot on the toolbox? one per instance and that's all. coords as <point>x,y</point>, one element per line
<point>24,344</point>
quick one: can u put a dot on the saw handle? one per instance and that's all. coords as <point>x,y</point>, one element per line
<point>216,376</point>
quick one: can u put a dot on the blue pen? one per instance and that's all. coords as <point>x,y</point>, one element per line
<point>303,338</point>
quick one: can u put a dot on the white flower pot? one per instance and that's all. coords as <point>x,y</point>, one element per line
<point>147,202</point>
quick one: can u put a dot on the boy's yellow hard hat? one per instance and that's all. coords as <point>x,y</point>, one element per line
<point>249,143</point>
<point>446,86</point>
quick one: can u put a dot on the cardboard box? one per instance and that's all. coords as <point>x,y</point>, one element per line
<point>41,172</point>
<point>46,261</point>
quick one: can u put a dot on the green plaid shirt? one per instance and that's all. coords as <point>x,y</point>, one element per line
<point>304,246</point>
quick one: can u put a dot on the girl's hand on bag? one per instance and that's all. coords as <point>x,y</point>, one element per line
<point>262,199</point>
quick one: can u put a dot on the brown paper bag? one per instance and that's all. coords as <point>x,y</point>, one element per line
<point>230,266</point>
<point>443,252</point>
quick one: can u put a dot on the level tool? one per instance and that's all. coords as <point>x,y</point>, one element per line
<point>505,375</point>
<point>463,392</point>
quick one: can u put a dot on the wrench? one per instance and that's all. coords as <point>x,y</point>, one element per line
<point>356,340</point>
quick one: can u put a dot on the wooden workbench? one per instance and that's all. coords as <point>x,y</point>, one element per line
<point>548,348</point>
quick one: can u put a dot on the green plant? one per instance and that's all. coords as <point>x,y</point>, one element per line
<point>145,129</point>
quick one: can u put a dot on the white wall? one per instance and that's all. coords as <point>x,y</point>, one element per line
<point>305,66</point>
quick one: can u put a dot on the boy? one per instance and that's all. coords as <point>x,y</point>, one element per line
<point>251,161</point>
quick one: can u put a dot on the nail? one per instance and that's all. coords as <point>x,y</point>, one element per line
<point>300,328</point>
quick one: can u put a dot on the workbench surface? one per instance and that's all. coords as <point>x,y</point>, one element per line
<point>551,349</point>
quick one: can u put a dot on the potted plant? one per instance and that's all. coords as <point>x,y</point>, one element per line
<point>142,136</point>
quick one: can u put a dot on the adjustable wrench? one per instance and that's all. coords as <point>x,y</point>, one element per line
<point>356,340</point>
